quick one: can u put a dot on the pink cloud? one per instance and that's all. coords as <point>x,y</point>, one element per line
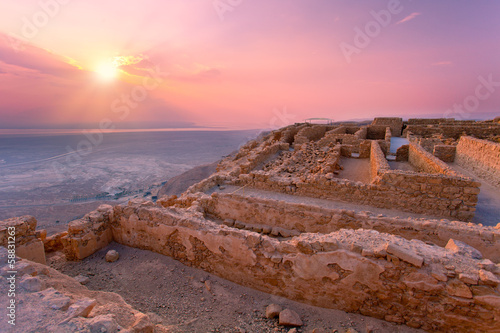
<point>409,17</point>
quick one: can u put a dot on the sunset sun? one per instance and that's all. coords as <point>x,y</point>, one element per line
<point>107,71</point>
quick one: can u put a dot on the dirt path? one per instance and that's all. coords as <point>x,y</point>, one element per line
<point>179,296</point>
<point>488,205</point>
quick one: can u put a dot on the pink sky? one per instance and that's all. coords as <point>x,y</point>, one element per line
<point>253,64</point>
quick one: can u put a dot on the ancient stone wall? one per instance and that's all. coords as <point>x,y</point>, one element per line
<point>428,121</point>
<point>88,234</point>
<point>284,218</point>
<point>445,153</point>
<point>310,133</point>
<point>479,130</point>
<point>376,132</point>
<point>19,232</point>
<point>395,124</point>
<point>481,157</point>
<point>361,271</point>
<point>426,162</point>
<point>435,195</point>
<point>378,162</point>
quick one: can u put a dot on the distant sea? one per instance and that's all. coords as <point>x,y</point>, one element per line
<point>57,175</point>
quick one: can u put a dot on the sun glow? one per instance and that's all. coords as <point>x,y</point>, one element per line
<point>107,71</point>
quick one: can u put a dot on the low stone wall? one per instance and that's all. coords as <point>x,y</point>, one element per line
<point>376,132</point>
<point>480,157</point>
<point>395,124</point>
<point>361,271</point>
<point>445,153</point>
<point>310,133</point>
<point>426,162</point>
<point>20,234</point>
<point>378,162</point>
<point>88,234</point>
<point>455,131</point>
<point>411,192</point>
<point>402,153</point>
<point>258,213</point>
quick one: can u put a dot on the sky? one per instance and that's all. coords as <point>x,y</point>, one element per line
<point>244,64</point>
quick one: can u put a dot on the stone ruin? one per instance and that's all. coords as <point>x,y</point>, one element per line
<point>278,216</point>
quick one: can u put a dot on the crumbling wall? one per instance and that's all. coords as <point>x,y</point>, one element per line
<point>362,271</point>
<point>88,234</point>
<point>310,133</point>
<point>20,234</point>
<point>481,157</point>
<point>282,218</point>
<point>435,195</point>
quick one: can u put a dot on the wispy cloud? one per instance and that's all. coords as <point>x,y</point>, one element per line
<point>409,17</point>
<point>442,63</point>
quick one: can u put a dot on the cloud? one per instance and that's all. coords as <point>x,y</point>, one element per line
<point>442,63</point>
<point>409,17</point>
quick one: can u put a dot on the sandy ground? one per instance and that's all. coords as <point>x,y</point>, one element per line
<point>191,300</point>
<point>355,169</point>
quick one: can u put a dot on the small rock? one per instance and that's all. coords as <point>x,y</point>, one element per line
<point>31,283</point>
<point>293,330</point>
<point>142,324</point>
<point>82,279</point>
<point>208,285</point>
<point>463,249</point>
<point>351,330</point>
<point>81,308</point>
<point>469,278</point>
<point>290,318</point>
<point>112,256</point>
<point>458,288</point>
<point>273,310</point>
<point>488,278</point>
<point>104,323</point>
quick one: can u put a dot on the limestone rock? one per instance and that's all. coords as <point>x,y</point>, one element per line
<point>31,283</point>
<point>82,279</point>
<point>461,248</point>
<point>273,310</point>
<point>81,308</point>
<point>290,318</point>
<point>488,278</point>
<point>405,254</point>
<point>458,288</point>
<point>103,323</point>
<point>142,324</point>
<point>54,299</point>
<point>112,256</point>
